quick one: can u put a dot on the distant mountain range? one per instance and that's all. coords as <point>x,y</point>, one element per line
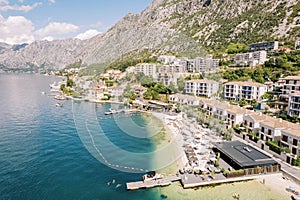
<point>188,27</point>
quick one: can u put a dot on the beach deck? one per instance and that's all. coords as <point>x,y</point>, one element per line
<point>152,183</point>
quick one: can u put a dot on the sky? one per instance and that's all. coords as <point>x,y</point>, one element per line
<point>24,21</point>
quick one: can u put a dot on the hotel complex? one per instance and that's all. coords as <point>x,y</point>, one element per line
<point>248,90</point>
<point>202,87</point>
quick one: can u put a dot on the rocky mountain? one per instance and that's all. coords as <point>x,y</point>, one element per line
<point>188,27</point>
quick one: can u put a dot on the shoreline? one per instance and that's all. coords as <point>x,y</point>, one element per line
<point>173,137</point>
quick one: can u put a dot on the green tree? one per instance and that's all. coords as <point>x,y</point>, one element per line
<point>236,48</point>
<point>70,83</point>
<point>173,88</point>
<point>180,84</point>
<point>254,103</point>
<point>243,102</point>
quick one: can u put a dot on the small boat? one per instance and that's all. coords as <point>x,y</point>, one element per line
<point>59,97</point>
<point>58,105</point>
<point>43,93</point>
<point>118,185</point>
<point>152,175</point>
<point>113,181</point>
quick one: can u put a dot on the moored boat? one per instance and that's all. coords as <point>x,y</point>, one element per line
<point>152,175</point>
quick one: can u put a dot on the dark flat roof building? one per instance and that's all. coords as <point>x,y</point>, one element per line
<point>242,156</point>
<point>267,46</point>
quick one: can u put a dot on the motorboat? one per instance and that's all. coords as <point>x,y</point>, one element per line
<point>58,105</point>
<point>152,175</point>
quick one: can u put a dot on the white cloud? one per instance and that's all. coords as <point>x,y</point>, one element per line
<point>56,28</point>
<point>88,34</point>
<point>24,8</point>
<point>52,1</point>
<point>21,1</point>
<point>4,2</point>
<point>16,30</point>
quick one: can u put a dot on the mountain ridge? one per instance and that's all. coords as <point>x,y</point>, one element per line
<point>192,27</point>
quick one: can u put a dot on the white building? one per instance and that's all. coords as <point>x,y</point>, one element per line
<point>294,104</point>
<point>147,69</point>
<point>202,87</point>
<point>297,45</point>
<point>206,64</point>
<point>250,58</point>
<point>164,59</point>
<point>291,84</point>
<point>248,90</point>
<point>291,139</point>
<point>185,99</point>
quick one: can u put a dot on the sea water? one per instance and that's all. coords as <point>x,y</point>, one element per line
<point>42,156</point>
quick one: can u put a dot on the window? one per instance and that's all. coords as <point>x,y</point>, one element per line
<point>294,151</point>
<point>295,142</point>
<point>263,129</point>
<point>284,138</point>
<point>269,132</point>
<point>250,125</point>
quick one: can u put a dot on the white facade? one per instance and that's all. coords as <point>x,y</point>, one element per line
<point>207,64</point>
<point>291,84</point>
<point>164,59</point>
<point>248,90</point>
<point>201,87</point>
<point>147,69</point>
<point>251,58</point>
<point>291,139</point>
<point>294,105</point>
<point>297,45</point>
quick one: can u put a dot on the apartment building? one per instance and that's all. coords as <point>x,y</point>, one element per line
<point>250,58</point>
<point>165,59</point>
<point>252,121</point>
<point>206,64</point>
<point>202,87</point>
<point>270,129</point>
<point>291,139</point>
<point>248,90</point>
<point>202,65</point>
<point>291,84</point>
<point>146,68</point>
<point>266,46</point>
<point>185,99</point>
<point>231,114</point>
<point>294,104</point>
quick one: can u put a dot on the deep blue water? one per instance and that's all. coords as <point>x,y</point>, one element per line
<point>42,156</point>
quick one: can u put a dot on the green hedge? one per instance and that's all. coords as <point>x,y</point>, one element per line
<point>273,145</point>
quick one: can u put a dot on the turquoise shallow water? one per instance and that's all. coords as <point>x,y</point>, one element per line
<point>43,157</point>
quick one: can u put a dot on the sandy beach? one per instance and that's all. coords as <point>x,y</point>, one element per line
<point>174,140</point>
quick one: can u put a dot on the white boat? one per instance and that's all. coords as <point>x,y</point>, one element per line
<point>55,85</point>
<point>152,175</point>
<point>58,105</point>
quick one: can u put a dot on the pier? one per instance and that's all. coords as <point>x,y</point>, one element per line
<point>152,183</point>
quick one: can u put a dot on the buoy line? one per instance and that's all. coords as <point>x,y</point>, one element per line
<point>105,160</point>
